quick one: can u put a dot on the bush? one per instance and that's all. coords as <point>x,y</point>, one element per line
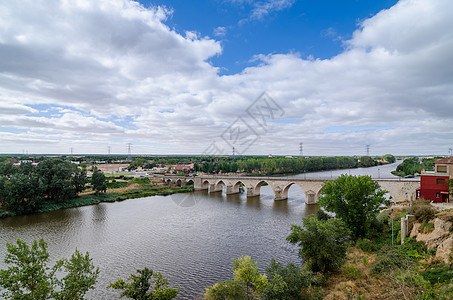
<point>438,275</point>
<point>322,244</point>
<point>390,258</point>
<point>413,249</point>
<point>322,215</point>
<point>351,272</point>
<point>366,245</point>
<point>423,211</point>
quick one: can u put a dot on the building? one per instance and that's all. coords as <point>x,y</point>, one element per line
<point>434,184</point>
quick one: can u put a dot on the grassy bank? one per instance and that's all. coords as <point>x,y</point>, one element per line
<point>111,196</point>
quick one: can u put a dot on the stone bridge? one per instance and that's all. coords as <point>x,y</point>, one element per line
<point>399,189</point>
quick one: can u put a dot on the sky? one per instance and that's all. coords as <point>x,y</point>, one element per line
<point>226,76</point>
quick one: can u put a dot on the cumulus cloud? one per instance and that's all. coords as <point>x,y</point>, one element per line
<point>118,74</point>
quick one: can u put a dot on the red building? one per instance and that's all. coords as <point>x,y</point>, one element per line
<point>434,184</point>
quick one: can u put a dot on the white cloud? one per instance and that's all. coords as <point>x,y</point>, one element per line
<point>115,73</point>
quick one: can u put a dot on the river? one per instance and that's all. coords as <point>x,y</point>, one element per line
<point>190,238</point>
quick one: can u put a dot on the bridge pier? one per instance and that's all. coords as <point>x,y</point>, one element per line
<point>252,192</point>
<point>311,197</point>
<point>232,189</point>
<point>214,188</point>
<point>198,185</point>
<point>280,194</point>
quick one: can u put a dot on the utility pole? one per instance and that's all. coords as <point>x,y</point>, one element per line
<point>301,149</point>
<point>129,151</point>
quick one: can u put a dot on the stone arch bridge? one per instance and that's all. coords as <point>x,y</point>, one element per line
<point>399,189</point>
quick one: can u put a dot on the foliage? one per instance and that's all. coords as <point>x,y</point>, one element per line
<point>366,245</point>
<point>288,282</point>
<point>248,283</point>
<point>143,286</point>
<point>438,275</point>
<point>229,289</point>
<point>29,277</point>
<point>413,165</point>
<point>422,210</point>
<point>354,199</point>
<point>322,215</point>
<point>367,161</point>
<point>389,258</point>
<point>322,243</point>
<point>98,181</point>
<point>81,276</point>
<point>351,272</point>
<point>389,158</point>
<point>116,184</point>
<point>144,180</point>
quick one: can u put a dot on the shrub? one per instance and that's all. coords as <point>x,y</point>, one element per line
<point>322,215</point>
<point>366,245</point>
<point>390,258</point>
<point>413,249</point>
<point>351,272</point>
<point>438,275</point>
<point>423,211</point>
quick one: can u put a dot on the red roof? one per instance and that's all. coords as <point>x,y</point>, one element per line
<point>445,160</point>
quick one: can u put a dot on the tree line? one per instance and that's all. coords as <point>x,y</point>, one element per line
<point>283,165</point>
<point>26,188</point>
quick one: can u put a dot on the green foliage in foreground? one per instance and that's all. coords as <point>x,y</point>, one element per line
<point>29,277</point>
<point>248,283</point>
<point>290,282</point>
<point>355,200</point>
<point>323,243</point>
<point>146,285</point>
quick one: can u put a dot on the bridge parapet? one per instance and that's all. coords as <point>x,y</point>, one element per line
<point>399,189</point>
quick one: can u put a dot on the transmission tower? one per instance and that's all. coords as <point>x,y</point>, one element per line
<point>367,150</point>
<point>234,151</point>
<point>301,149</point>
<point>109,150</point>
<point>450,151</point>
<point>129,151</point>
<point>72,149</point>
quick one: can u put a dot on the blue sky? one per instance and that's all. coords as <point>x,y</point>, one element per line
<point>192,77</point>
<point>309,28</point>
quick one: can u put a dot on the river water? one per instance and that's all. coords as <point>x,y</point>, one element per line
<point>190,238</point>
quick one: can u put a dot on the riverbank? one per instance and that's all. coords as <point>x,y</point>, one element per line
<point>112,195</point>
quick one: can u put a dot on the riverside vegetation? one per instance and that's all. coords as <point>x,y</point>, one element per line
<point>343,257</point>
<point>54,184</point>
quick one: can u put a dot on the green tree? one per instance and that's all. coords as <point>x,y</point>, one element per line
<point>98,181</point>
<point>287,282</point>
<point>389,158</point>
<point>30,278</point>
<point>81,276</point>
<point>353,199</point>
<point>323,243</point>
<point>140,287</point>
<point>248,283</point>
